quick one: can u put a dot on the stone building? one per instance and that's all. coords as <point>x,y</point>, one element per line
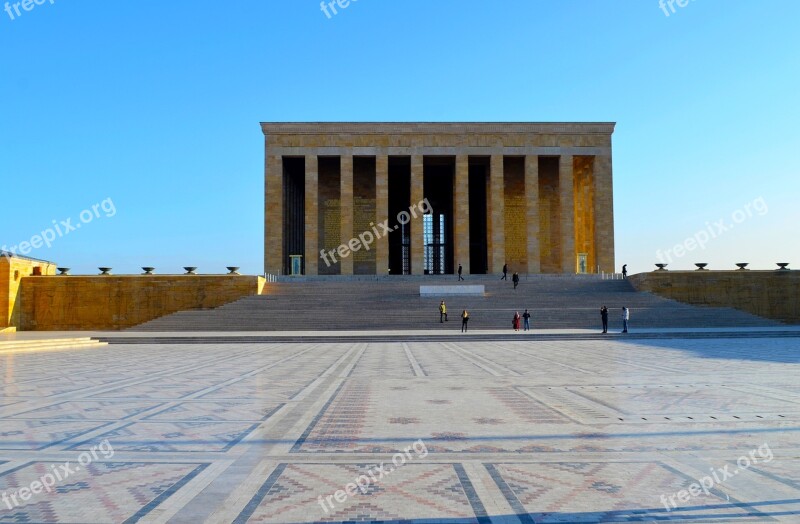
<point>422,198</point>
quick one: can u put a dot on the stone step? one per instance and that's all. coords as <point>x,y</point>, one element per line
<point>554,302</point>
<point>8,346</point>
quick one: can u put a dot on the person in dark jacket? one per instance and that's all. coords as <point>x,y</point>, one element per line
<point>526,321</point>
<point>505,272</point>
<point>604,317</point>
<point>515,279</point>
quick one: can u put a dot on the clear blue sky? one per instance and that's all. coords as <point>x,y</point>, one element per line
<point>156,106</point>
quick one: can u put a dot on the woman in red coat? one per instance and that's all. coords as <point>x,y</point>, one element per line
<point>516,321</point>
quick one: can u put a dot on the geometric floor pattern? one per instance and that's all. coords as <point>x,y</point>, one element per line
<point>683,430</point>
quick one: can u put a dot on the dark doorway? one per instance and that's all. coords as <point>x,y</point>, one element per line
<point>437,226</point>
<point>294,210</point>
<point>478,251</point>
<point>399,201</point>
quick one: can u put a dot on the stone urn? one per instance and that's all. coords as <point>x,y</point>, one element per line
<point>105,270</point>
<point>661,267</point>
<point>232,270</point>
<point>783,266</point>
<point>63,271</point>
<point>190,270</point>
<point>701,266</point>
<point>742,266</point>
<point>148,270</point>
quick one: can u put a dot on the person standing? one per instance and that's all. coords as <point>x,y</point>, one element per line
<point>460,271</point>
<point>624,271</point>
<point>604,317</point>
<point>626,316</point>
<point>464,321</point>
<point>505,272</point>
<point>515,322</point>
<point>515,279</point>
<point>442,312</point>
<point>526,321</point>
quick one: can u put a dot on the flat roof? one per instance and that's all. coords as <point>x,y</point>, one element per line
<point>389,128</point>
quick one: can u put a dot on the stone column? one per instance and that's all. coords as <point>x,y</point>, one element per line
<point>311,258</point>
<point>382,213</point>
<point>417,194</point>
<point>604,213</point>
<point>497,215</point>
<point>273,213</point>
<point>461,211</point>
<point>532,213</point>
<point>346,210</point>
<point>566,181</point>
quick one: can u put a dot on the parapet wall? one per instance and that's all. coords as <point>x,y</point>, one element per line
<point>70,303</point>
<point>769,294</point>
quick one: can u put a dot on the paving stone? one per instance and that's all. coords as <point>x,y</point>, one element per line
<point>424,432</point>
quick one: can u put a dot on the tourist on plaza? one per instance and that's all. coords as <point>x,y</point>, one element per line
<point>464,321</point>
<point>460,270</point>
<point>604,317</point>
<point>515,323</point>
<point>625,271</point>
<point>505,272</point>
<point>515,279</point>
<point>526,321</point>
<point>442,312</point>
<point>626,316</point>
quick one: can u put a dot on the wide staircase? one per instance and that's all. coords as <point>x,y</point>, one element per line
<point>394,303</point>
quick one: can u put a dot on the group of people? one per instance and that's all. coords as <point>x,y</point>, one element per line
<point>526,321</point>
<point>626,316</point>
<point>525,318</point>
<point>443,316</point>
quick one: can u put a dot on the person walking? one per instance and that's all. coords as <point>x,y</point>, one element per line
<point>526,321</point>
<point>604,317</point>
<point>515,279</point>
<point>460,271</point>
<point>626,316</point>
<point>505,272</point>
<point>442,313</point>
<point>464,321</point>
<point>624,271</point>
<point>515,322</point>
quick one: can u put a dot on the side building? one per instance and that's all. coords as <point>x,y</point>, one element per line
<point>422,198</point>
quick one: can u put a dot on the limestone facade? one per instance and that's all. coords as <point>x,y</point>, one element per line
<point>538,196</point>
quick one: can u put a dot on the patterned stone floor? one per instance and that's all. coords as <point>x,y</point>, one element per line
<point>438,432</point>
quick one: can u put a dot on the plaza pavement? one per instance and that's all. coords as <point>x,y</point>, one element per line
<point>511,430</point>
